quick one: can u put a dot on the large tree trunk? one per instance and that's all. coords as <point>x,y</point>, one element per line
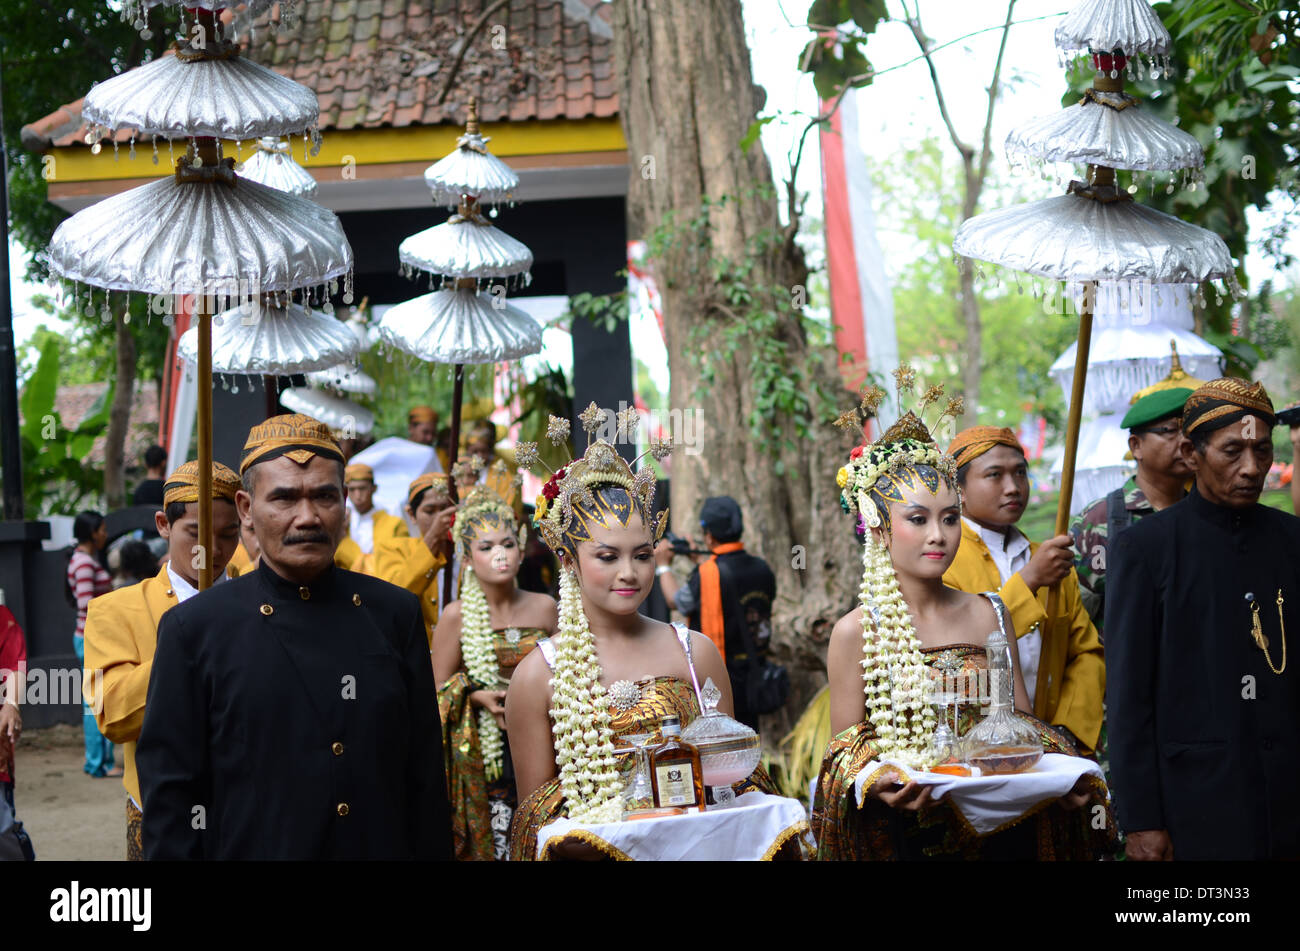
<point>119,420</point>
<point>687,98</point>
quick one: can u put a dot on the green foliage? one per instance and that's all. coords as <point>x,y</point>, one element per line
<point>919,193</point>
<point>88,351</point>
<point>403,382</point>
<point>603,310</point>
<point>53,54</point>
<point>837,60</point>
<point>56,477</point>
<point>546,396</point>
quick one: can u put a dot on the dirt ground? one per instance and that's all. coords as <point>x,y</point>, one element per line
<point>69,815</point>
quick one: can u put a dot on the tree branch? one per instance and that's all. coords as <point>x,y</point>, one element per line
<point>986,151</point>
<point>914,24</point>
<point>464,48</point>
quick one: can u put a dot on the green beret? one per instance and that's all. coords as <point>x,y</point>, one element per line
<point>1156,406</point>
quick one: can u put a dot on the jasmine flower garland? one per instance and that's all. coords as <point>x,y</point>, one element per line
<point>584,741</point>
<point>479,655</point>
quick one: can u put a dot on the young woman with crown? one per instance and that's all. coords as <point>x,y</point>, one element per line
<point>478,643</point>
<point>609,671</point>
<point>907,629</point>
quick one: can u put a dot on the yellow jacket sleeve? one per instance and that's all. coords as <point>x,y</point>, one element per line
<point>389,526</point>
<point>115,628</point>
<point>405,562</point>
<point>348,555</point>
<point>973,570</point>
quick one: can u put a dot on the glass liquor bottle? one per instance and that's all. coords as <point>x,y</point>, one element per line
<point>675,772</point>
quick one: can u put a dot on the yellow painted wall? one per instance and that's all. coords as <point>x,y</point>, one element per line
<point>75,163</point>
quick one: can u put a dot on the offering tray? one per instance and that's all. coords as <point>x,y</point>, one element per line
<point>989,803</point>
<point>753,829</point>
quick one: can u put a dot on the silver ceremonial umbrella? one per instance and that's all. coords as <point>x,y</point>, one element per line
<point>1077,239</point>
<point>201,237</point>
<point>1107,128</point>
<point>272,165</point>
<point>466,246</point>
<point>471,169</point>
<point>460,326</point>
<point>267,340</point>
<point>1105,25</point>
<point>344,377</point>
<point>202,231</point>
<point>457,326</point>
<point>1085,240</point>
<point>232,98</point>
<point>334,412</point>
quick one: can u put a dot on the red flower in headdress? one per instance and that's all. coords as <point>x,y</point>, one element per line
<point>857,451</point>
<point>552,488</point>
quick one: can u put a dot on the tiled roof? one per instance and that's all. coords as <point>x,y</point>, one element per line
<point>73,401</point>
<point>375,63</point>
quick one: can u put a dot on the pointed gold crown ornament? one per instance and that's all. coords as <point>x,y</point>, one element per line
<point>1178,378</point>
<point>570,486</point>
<point>906,444</point>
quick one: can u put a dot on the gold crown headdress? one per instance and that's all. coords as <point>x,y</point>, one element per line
<point>571,484</point>
<point>481,505</point>
<point>906,444</point>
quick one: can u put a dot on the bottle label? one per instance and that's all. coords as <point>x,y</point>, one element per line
<point>676,784</point>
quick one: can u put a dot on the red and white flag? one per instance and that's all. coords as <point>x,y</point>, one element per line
<point>862,304</point>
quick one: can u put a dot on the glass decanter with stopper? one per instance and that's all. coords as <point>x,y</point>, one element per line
<point>1002,743</point>
<point>729,750</point>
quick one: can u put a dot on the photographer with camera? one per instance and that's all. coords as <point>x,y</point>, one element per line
<point>728,598</point>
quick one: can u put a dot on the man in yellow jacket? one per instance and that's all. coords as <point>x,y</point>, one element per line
<point>415,563</point>
<point>367,525</point>
<point>1061,655</point>
<point>122,626</point>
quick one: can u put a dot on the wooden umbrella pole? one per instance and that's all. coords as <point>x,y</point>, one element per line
<point>205,443</point>
<point>457,396</point>
<point>206,149</point>
<point>1051,643</point>
<point>1076,407</point>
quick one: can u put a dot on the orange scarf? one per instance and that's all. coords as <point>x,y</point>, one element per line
<point>712,621</point>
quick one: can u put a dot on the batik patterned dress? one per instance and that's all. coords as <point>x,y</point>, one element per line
<point>660,697</point>
<point>877,832</point>
<point>481,811</point>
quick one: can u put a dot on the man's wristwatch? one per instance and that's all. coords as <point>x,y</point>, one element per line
<point>662,570</point>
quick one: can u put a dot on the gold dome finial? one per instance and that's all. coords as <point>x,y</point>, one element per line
<point>1178,378</point>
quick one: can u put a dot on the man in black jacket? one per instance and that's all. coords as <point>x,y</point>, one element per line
<point>291,712</point>
<point>1201,704</point>
<point>728,597</point>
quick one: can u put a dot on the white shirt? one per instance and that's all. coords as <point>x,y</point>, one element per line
<point>1011,553</point>
<point>183,589</point>
<point>362,528</point>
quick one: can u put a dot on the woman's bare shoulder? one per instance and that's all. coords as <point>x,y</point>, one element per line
<point>849,626</point>
<point>976,615</point>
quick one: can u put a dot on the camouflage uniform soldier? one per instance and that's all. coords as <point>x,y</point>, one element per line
<point>1161,480</point>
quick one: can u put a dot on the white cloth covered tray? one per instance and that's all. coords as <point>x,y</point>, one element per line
<point>751,830</point>
<point>989,803</point>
